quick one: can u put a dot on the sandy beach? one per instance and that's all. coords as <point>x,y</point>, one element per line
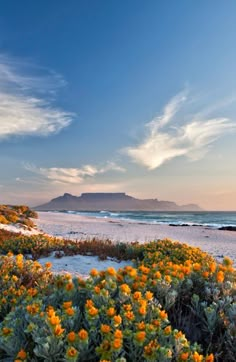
<point>218,243</point>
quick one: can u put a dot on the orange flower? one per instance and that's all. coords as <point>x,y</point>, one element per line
<point>118,334</point>
<point>105,328</point>
<point>162,314</point>
<point>212,267</point>
<point>111,311</point>
<point>22,354</point>
<point>167,330</point>
<point>141,326</point>
<point>157,275</point>
<point>58,330</point>
<point>184,356</point>
<point>93,311</point>
<point>117,320</point>
<point>117,343</point>
<point>137,295</point>
<point>197,357</point>
<point>54,320</point>
<point>67,304</point>
<point>94,272</point>
<point>205,274</point>
<point>71,337</point>
<point>83,334</point>
<point>140,336</point>
<point>142,310</point>
<point>148,295</point>
<point>210,358</point>
<point>129,315</point>
<point>72,352</point>
<point>69,286</point>
<point>97,289</point>
<point>6,331</point>
<point>89,303</point>
<point>125,288</point>
<point>111,271</point>
<point>70,311</point>
<point>220,277</point>
<point>48,265</point>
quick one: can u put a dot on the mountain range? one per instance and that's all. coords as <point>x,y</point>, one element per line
<point>112,202</point>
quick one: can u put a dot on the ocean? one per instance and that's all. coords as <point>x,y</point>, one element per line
<point>209,219</point>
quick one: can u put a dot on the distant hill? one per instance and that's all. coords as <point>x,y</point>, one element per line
<point>112,202</point>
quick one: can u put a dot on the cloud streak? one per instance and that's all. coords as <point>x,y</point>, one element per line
<point>26,102</point>
<point>72,175</point>
<point>164,141</point>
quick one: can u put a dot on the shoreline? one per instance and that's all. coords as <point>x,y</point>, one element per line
<point>218,243</point>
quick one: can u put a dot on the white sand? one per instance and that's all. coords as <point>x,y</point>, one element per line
<point>17,228</point>
<point>218,243</point>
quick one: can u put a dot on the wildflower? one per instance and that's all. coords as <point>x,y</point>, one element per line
<point>117,320</point>
<point>69,286</point>
<point>32,309</point>
<point>118,334</point>
<point>163,314</point>
<point>167,330</point>
<point>97,290</point>
<point>54,320</point>
<point>70,311</point>
<point>142,310</point>
<point>137,295</point>
<point>197,357</point>
<point>140,336</point>
<point>48,265</point>
<point>117,343</point>
<point>6,331</point>
<point>71,336</point>
<point>94,272</point>
<point>83,334</point>
<point>220,277</point>
<point>210,358</point>
<point>111,312</point>
<point>141,326</point>
<point>105,328</point>
<point>93,311</point>
<point>148,295</point>
<point>58,330</point>
<point>184,356</point>
<point>157,275</point>
<point>125,288</point>
<point>111,271</point>
<point>71,352</point>
<point>22,354</point>
<point>89,303</point>
<point>67,304</point>
<point>129,315</point>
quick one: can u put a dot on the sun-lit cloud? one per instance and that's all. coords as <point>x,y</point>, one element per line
<point>72,175</point>
<point>166,140</point>
<point>26,101</point>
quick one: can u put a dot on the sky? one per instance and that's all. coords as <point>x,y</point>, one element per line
<point>118,96</point>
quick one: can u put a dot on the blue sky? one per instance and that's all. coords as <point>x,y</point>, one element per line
<point>134,96</point>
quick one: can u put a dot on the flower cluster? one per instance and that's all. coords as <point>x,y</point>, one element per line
<point>174,304</point>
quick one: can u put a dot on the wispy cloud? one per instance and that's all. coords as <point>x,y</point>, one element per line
<point>26,104</point>
<point>72,175</point>
<point>165,141</point>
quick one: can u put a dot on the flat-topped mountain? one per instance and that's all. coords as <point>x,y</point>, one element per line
<point>118,201</point>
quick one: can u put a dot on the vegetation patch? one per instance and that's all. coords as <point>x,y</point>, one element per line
<point>176,304</point>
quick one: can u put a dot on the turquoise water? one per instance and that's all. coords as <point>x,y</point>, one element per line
<point>206,218</point>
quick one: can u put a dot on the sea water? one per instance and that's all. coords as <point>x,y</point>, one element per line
<point>212,219</point>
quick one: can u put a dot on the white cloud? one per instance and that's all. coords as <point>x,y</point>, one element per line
<point>26,102</point>
<point>164,142</point>
<point>72,175</point>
